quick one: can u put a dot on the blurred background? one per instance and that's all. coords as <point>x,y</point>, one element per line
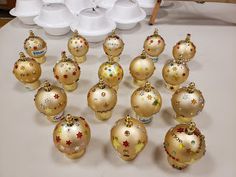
<point>5,6</point>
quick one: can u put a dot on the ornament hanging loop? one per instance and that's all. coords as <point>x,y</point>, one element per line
<point>31,33</point>
<point>101,84</point>
<point>191,87</point>
<point>147,87</point>
<point>76,33</point>
<point>155,31</point>
<point>69,120</point>
<point>47,86</point>
<point>128,121</point>
<point>188,37</point>
<point>22,56</point>
<point>143,55</point>
<point>191,128</point>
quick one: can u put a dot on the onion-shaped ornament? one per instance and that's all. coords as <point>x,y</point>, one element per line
<point>154,45</point>
<point>67,72</point>
<point>102,99</point>
<point>111,73</point>
<point>51,101</point>
<point>71,136</point>
<point>27,71</point>
<point>187,103</point>
<point>113,46</point>
<point>78,46</point>
<point>146,101</point>
<point>184,145</point>
<point>175,72</point>
<point>36,47</point>
<point>141,69</point>
<point>184,49</point>
<point>128,137</point>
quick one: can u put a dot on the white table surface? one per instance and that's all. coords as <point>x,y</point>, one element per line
<point>26,146</point>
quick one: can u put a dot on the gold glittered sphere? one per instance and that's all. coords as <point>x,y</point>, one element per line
<point>78,46</point>
<point>175,72</point>
<point>111,73</point>
<point>128,137</point>
<point>184,49</point>
<point>67,72</point>
<point>113,46</point>
<point>36,47</point>
<point>141,68</point>
<point>71,136</point>
<point>187,102</point>
<point>154,45</point>
<point>27,71</point>
<point>51,101</point>
<point>184,145</point>
<point>102,99</point>
<point>146,101</point>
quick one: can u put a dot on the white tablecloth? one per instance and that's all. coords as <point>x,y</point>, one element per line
<point>26,146</point>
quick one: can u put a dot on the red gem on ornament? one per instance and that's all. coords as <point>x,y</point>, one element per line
<point>35,48</point>
<point>159,41</point>
<point>56,96</point>
<point>68,143</point>
<point>180,130</point>
<point>86,125</point>
<point>178,47</point>
<point>151,41</point>
<point>126,143</point>
<point>58,139</point>
<point>57,77</point>
<point>65,76</point>
<point>79,135</point>
<point>74,73</point>
<point>16,66</point>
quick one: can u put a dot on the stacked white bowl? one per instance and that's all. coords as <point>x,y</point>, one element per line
<point>55,19</point>
<point>93,24</point>
<point>26,10</point>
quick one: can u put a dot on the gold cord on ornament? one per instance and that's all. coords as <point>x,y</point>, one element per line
<point>31,33</point>
<point>22,56</point>
<point>128,121</point>
<point>156,31</point>
<point>69,120</point>
<point>191,128</point>
<point>147,87</point>
<point>188,38</point>
<point>143,55</point>
<point>47,86</point>
<point>101,84</point>
<point>76,33</point>
<point>191,87</point>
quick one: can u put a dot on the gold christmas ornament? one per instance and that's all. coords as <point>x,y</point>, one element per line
<point>71,136</point>
<point>146,101</point>
<point>67,72</point>
<point>113,46</point>
<point>51,101</point>
<point>128,137</point>
<point>154,45</point>
<point>187,102</point>
<point>111,73</point>
<point>174,73</point>
<point>102,99</point>
<point>184,49</point>
<point>36,47</point>
<point>27,71</point>
<point>184,145</point>
<point>78,46</point>
<point>141,68</point>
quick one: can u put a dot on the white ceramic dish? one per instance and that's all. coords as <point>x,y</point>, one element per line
<point>93,24</point>
<point>52,1</point>
<point>55,18</point>
<point>75,6</point>
<point>126,13</point>
<point>147,5</point>
<point>106,4</point>
<point>26,10</point>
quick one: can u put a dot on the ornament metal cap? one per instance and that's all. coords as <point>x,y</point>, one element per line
<point>188,38</point>
<point>191,128</point>
<point>191,87</point>
<point>47,86</point>
<point>128,121</point>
